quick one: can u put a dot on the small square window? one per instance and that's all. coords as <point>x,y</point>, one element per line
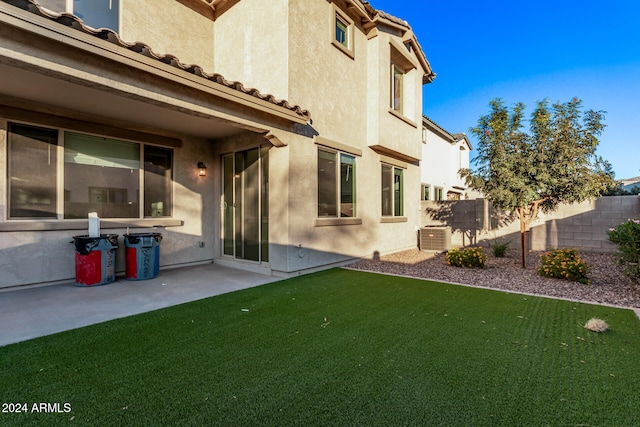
<point>342,32</point>
<point>342,35</point>
<point>426,192</point>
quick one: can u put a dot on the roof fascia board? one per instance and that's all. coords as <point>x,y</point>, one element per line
<point>357,10</point>
<point>404,53</point>
<point>410,37</point>
<point>435,128</point>
<point>220,6</point>
<point>202,7</point>
<point>46,28</point>
<point>380,20</point>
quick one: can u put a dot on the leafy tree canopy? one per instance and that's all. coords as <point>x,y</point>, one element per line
<point>553,162</point>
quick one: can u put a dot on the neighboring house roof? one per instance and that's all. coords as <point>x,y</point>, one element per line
<point>111,36</point>
<point>443,133</point>
<point>630,183</point>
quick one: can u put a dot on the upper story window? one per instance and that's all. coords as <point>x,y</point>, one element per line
<point>426,192</point>
<point>59,174</point>
<point>404,79</point>
<point>94,13</point>
<point>397,77</point>
<point>342,31</point>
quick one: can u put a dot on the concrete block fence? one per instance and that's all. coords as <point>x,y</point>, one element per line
<point>581,225</point>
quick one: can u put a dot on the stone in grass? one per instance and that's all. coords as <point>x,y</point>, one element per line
<point>596,325</point>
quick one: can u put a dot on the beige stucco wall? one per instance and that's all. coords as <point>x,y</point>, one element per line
<point>401,134</point>
<point>169,27</point>
<point>304,68</point>
<point>252,45</point>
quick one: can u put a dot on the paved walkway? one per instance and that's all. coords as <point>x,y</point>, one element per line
<point>35,312</point>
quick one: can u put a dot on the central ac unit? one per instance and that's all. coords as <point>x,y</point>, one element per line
<point>435,239</point>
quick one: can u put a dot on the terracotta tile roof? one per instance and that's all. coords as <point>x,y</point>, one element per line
<point>111,36</point>
<point>430,76</point>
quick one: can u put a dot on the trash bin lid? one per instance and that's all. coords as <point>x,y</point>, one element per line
<point>134,238</point>
<point>84,244</point>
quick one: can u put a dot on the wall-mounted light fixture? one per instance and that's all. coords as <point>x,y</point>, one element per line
<point>202,169</point>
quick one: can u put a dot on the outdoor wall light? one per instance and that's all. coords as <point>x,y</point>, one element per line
<point>202,169</point>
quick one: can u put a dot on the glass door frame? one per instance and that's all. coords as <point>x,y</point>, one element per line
<point>244,231</point>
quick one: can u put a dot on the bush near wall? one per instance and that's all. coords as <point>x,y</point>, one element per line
<point>469,257</point>
<point>564,264</point>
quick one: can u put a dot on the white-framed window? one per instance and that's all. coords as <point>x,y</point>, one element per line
<point>397,88</point>
<point>392,191</point>
<point>94,13</point>
<point>336,184</point>
<point>424,135</point>
<point>342,28</point>
<point>426,192</point>
<point>439,193</point>
<point>59,174</point>
<point>342,31</point>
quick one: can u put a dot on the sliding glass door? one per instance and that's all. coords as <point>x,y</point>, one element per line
<point>245,217</point>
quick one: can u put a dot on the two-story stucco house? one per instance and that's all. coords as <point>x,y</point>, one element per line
<point>443,155</point>
<point>145,112</point>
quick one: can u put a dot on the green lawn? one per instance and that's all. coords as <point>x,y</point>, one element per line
<point>337,348</point>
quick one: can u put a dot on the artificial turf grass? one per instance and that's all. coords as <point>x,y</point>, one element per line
<point>338,347</point>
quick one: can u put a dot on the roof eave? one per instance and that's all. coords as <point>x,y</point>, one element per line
<point>107,43</point>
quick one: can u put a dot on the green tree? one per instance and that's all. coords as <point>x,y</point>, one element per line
<point>555,162</point>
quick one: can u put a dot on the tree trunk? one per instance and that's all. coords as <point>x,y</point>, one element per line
<point>523,240</point>
<point>523,230</point>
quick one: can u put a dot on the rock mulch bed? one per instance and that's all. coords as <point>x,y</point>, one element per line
<point>608,285</point>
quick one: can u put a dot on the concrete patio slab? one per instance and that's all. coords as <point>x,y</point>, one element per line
<point>34,312</point>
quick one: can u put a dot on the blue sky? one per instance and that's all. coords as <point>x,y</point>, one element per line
<point>528,51</point>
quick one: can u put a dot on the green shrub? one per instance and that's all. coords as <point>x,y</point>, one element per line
<point>627,237</point>
<point>500,248</point>
<point>469,257</point>
<point>564,264</point>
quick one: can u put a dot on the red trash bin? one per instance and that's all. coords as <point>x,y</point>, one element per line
<point>95,259</point>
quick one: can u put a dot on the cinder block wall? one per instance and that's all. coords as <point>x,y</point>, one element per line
<point>582,225</point>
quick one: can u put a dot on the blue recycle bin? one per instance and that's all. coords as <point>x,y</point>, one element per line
<point>142,255</point>
<point>95,259</point>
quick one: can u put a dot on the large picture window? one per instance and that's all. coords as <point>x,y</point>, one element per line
<point>98,174</point>
<point>392,191</point>
<point>336,184</point>
<point>158,170</point>
<point>32,162</point>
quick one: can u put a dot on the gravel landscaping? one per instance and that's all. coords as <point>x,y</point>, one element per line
<point>608,285</point>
